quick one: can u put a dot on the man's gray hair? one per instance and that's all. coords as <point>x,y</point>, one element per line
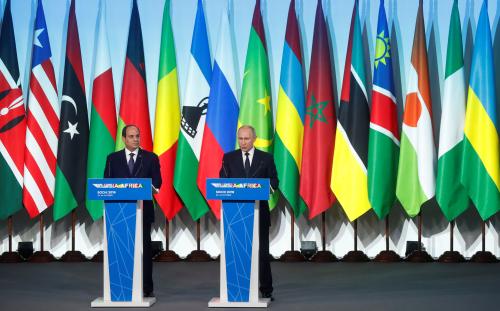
<point>249,127</point>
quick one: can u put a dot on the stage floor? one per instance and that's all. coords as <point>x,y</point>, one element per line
<point>298,286</point>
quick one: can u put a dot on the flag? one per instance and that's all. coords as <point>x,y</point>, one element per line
<point>167,119</point>
<point>480,162</point>
<point>222,114</point>
<point>320,124</point>
<point>134,99</point>
<point>255,100</point>
<point>102,115</point>
<point>290,116</point>
<point>450,194</point>
<point>349,171</point>
<point>194,112</point>
<point>12,121</point>
<point>74,129</point>
<point>383,145</point>
<point>417,158</point>
<point>42,123</point>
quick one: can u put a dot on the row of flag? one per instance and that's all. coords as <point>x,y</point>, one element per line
<point>360,158</point>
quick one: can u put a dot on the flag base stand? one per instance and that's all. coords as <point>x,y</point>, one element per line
<point>483,257</point>
<point>42,257</point>
<point>387,256</point>
<point>73,256</point>
<point>355,256</point>
<point>292,256</point>
<point>11,257</point>
<point>419,256</point>
<point>167,256</point>
<point>324,256</point>
<point>98,257</point>
<point>451,257</point>
<point>198,256</point>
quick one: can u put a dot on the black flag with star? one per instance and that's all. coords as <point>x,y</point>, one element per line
<point>74,129</point>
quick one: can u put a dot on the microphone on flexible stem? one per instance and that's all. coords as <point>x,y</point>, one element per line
<point>224,169</point>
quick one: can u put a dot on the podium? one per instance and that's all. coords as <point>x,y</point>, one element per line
<point>122,264</point>
<point>239,259</point>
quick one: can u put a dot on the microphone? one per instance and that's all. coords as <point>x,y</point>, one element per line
<point>258,168</point>
<point>140,165</point>
<point>224,169</point>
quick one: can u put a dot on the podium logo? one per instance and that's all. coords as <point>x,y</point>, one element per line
<point>119,186</point>
<point>237,185</point>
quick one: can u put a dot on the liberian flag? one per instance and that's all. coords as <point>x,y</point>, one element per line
<point>222,114</point>
<point>194,112</point>
<point>383,146</point>
<point>416,181</point>
<point>42,124</point>
<point>12,121</point>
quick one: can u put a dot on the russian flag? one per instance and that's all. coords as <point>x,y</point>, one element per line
<point>221,124</point>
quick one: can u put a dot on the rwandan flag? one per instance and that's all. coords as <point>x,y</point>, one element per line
<point>480,165</point>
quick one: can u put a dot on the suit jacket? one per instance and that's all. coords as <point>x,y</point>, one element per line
<point>262,167</point>
<point>146,165</point>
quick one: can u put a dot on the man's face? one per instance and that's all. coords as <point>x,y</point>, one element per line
<point>132,138</point>
<point>245,139</point>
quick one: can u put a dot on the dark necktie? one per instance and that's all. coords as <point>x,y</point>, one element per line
<point>131,163</point>
<point>247,164</point>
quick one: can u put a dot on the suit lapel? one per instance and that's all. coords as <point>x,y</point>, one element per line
<point>255,163</point>
<point>138,163</point>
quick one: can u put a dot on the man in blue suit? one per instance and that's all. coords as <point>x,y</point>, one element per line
<point>134,162</point>
<point>249,162</point>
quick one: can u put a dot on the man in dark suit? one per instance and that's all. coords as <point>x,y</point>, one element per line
<point>134,162</point>
<point>248,162</point>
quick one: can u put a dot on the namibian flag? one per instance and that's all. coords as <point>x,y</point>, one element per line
<point>480,171</point>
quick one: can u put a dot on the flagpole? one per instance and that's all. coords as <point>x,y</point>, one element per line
<point>419,255</point>
<point>10,256</point>
<point>292,255</point>
<point>355,255</point>
<point>323,255</point>
<point>41,256</point>
<point>198,255</point>
<point>483,256</point>
<point>387,255</point>
<point>451,256</point>
<point>167,255</point>
<point>73,255</point>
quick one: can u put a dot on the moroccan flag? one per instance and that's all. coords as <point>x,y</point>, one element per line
<point>102,115</point>
<point>134,100</point>
<point>74,124</point>
<point>450,194</point>
<point>480,162</point>
<point>290,116</point>
<point>417,158</point>
<point>194,112</point>
<point>167,119</point>
<point>320,124</point>
<point>349,171</point>
<point>42,124</point>
<point>255,100</point>
<point>12,121</point>
<point>383,146</point>
<point>222,114</point>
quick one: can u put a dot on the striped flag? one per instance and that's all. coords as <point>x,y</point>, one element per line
<point>290,116</point>
<point>480,163</point>
<point>167,119</point>
<point>12,121</point>
<point>383,146</point>
<point>74,129</point>
<point>417,159</point>
<point>349,171</point>
<point>134,99</point>
<point>319,124</point>
<point>42,124</point>
<point>103,113</point>
<point>450,194</point>
<point>194,112</point>
<point>222,114</point>
<point>255,100</point>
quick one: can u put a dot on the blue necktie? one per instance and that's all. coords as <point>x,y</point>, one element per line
<point>131,163</point>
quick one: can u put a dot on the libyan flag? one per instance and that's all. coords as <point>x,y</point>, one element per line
<point>74,129</point>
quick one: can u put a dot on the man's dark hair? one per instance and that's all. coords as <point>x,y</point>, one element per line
<point>124,130</point>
